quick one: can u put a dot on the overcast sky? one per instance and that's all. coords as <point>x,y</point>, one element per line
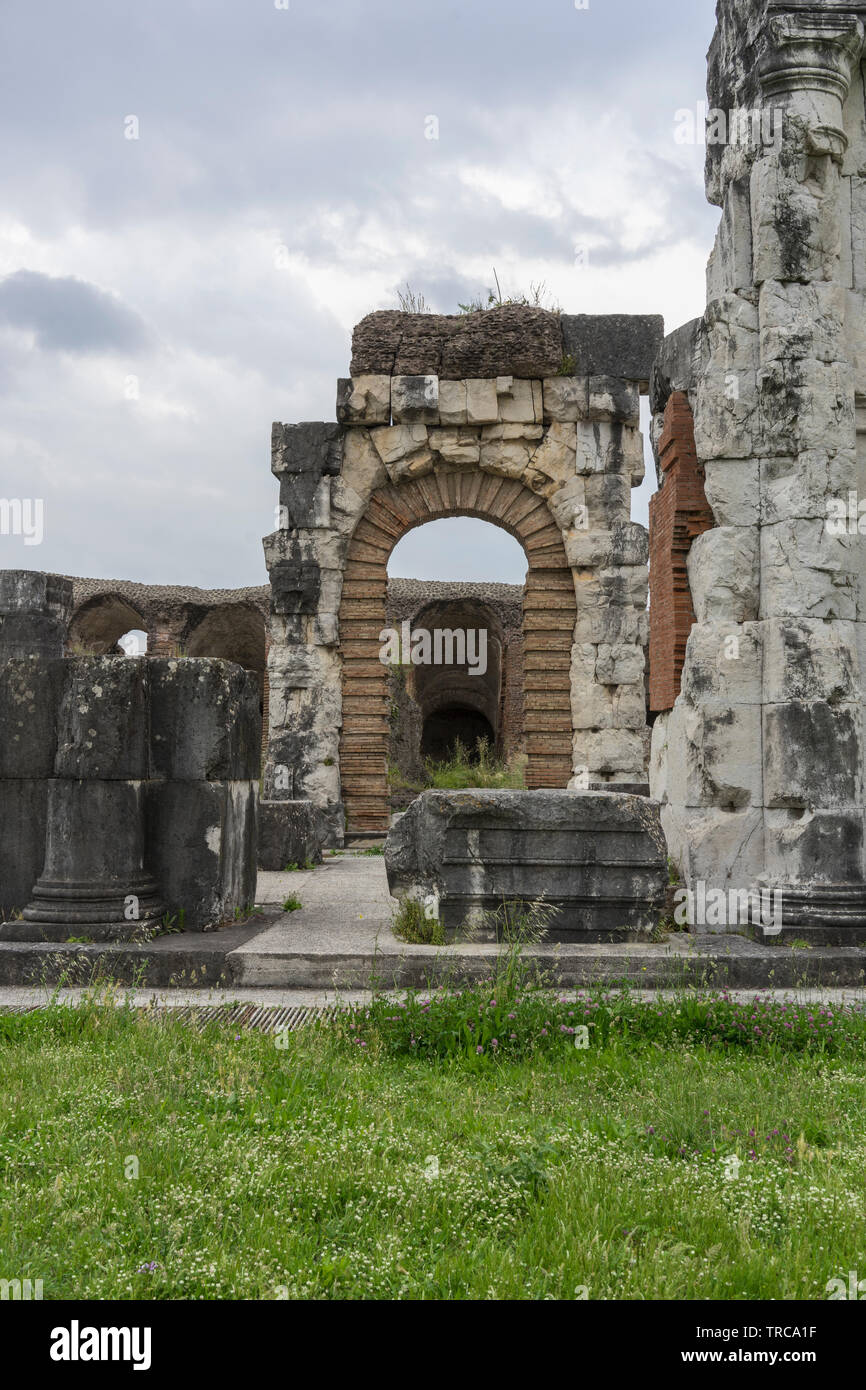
<point>164,298</point>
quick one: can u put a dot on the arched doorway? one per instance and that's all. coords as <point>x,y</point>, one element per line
<point>98,624</point>
<point>549,616</point>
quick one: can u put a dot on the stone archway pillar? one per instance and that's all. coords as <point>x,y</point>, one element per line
<point>760,762</point>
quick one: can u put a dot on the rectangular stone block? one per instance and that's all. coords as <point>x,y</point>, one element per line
<point>795,224</point>
<point>813,751</point>
<point>610,751</point>
<point>714,847</point>
<point>290,832</point>
<point>801,321</point>
<point>714,755</point>
<point>724,662</point>
<point>611,398</point>
<point>30,693</point>
<point>608,624</point>
<point>565,398</point>
<point>733,489</point>
<point>597,858</point>
<point>807,659</point>
<point>608,499</point>
<point>205,720</point>
<point>626,543</point>
<point>622,345</point>
<point>415,400</point>
<point>521,403</point>
<point>364,400</point>
<point>202,846</point>
<point>730,265</point>
<point>808,487</point>
<point>806,572</point>
<point>313,446</point>
<point>814,846</point>
<point>34,612</point>
<point>724,575</point>
<point>103,719</point>
<point>482,402</point>
<point>452,403</point>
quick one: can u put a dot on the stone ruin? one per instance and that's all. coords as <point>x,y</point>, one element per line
<point>521,417</point>
<point>127,787</point>
<point>760,408</point>
<point>753,696</point>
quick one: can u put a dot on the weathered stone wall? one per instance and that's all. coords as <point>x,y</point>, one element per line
<point>551,458</point>
<point>760,761</point>
<point>34,613</point>
<point>178,620</point>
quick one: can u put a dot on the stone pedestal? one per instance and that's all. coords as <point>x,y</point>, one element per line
<point>94,883</point>
<point>598,858</point>
<point>127,791</point>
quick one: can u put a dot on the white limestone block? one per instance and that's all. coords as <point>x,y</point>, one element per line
<point>723,574</point>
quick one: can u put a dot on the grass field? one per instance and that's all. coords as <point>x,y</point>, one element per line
<point>687,1152</point>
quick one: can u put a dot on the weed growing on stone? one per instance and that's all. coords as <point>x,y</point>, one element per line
<point>482,770</point>
<point>410,923</point>
<point>292,904</point>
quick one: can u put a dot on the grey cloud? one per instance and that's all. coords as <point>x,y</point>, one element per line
<point>306,124</point>
<point>69,315</point>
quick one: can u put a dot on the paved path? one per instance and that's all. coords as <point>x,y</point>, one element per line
<point>341,942</point>
<point>23,996</point>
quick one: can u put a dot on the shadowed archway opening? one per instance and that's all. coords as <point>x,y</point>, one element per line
<point>98,625</point>
<point>451,725</point>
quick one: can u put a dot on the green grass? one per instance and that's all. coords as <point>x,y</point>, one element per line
<point>292,904</point>
<point>483,770</point>
<point>338,1163</point>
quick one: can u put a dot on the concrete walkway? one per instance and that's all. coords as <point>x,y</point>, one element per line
<point>341,943</point>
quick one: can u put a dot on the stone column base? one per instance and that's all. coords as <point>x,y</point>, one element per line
<point>59,910</point>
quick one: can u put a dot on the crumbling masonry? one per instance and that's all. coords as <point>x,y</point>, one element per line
<point>521,417</point>
<point>760,762</point>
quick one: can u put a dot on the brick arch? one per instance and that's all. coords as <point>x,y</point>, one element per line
<point>99,622</point>
<point>549,616</point>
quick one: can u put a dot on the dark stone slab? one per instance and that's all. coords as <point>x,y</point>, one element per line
<point>515,340</point>
<point>30,692</point>
<point>313,447</point>
<point>615,345</point>
<point>103,720</point>
<point>23,817</point>
<point>34,613</point>
<point>205,720</point>
<point>201,839</point>
<point>599,858</point>
<point>290,832</point>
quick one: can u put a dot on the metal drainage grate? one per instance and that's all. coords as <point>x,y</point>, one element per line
<point>263,1018</point>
